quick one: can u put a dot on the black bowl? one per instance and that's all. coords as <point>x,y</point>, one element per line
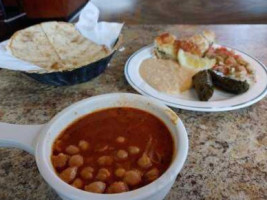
<point>76,76</point>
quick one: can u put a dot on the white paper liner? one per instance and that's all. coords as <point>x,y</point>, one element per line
<point>7,61</point>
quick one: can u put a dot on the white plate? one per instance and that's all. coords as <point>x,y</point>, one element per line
<point>220,101</point>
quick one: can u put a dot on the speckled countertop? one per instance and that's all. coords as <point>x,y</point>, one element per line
<point>228,151</point>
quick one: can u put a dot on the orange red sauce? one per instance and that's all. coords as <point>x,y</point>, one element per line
<point>113,150</point>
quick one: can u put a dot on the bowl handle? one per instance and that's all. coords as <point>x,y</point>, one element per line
<point>20,136</point>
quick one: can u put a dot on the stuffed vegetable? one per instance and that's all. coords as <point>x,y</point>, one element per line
<point>202,83</point>
<point>228,84</point>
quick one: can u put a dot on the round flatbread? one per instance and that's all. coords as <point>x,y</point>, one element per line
<point>31,45</point>
<point>55,46</point>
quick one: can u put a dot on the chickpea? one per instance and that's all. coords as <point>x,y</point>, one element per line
<point>95,187</point>
<point>120,139</point>
<point>133,150</point>
<point>76,160</point>
<point>103,174</point>
<point>144,161</point>
<point>72,149</point>
<point>60,160</point>
<point>87,173</point>
<point>58,145</point>
<point>68,174</point>
<point>122,154</point>
<point>120,172</point>
<point>83,145</point>
<point>78,183</point>
<point>132,177</point>
<point>105,160</point>
<point>118,187</point>
<point>152,174</point>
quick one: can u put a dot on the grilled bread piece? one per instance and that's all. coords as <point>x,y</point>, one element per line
<point>203,40</point>
<point>167,46</point>
<point>209,35</point>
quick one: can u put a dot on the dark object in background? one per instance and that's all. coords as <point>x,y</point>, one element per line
<point>228,84</point>
<point>12,17</point>
<point>18,14</point>
<point>202,83</point>
<point>48,9</point>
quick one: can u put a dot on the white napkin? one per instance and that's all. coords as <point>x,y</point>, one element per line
<point>102,33</point>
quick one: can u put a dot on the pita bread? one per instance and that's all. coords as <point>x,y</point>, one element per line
<point>73,49</point>
<point>55,46</point>
<point>31,45</point>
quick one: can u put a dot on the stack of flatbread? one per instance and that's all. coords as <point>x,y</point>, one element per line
<point>55,46</point>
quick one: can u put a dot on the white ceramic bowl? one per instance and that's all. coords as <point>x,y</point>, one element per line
<point>39,139</point>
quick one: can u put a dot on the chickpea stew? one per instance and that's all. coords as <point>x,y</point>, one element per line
<point>113,150</point>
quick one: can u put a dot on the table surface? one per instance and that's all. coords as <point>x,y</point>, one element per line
<point>227,157</point>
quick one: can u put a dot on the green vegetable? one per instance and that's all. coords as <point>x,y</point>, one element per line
<point>202,83</point>
<point>228,84</point>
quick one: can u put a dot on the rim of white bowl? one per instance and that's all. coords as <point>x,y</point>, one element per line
<point>69,191</point>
